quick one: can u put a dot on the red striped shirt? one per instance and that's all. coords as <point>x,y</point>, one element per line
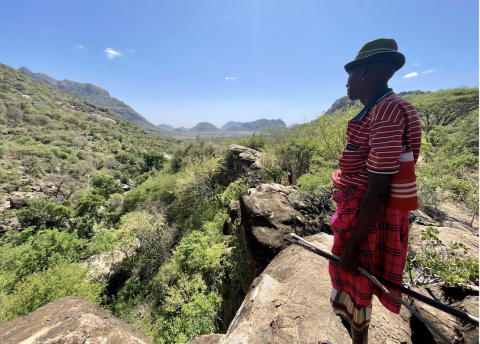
<point>376,139</point>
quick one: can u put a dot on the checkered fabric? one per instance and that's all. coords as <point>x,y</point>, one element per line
<point>383,253</point>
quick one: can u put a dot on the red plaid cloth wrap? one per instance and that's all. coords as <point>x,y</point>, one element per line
<point>383,253</point>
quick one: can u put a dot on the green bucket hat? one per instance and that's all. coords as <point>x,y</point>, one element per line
<point>378,50</point>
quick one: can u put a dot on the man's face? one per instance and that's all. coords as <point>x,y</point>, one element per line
<point>354,83</point>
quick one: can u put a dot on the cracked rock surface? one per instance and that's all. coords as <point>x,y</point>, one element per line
<point>268,215</point>
<point>289,303</point>
<point>71,320</point>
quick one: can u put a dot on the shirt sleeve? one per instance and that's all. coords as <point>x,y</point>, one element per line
<point>386,139</point>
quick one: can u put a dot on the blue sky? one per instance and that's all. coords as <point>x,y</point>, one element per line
<point>185,61</point>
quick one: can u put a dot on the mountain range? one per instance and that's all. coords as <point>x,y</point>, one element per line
<point>97,96</point>
<point>233,126</point>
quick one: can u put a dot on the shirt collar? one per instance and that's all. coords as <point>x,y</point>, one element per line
<point>372,102</point>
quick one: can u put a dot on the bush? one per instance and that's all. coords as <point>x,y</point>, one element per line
<point>436,262</point>
<point>43,250</point>
<point>40,288</point>
<point>154,160</point>
<point>159,188</point>
<point>235,190</point>
<point>90,206</point>
<point>42,213</point>
<point>194,191</point>
<point>105,185</point>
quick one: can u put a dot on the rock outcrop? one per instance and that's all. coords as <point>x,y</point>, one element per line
<point>102,266</point>
<point>289,303</point>
<point>269,213</point>
<point>208,339</point>
<point>17,203</point>
<point>241,162</point>
<point>71,320</point>
<point>265,217</point>
<point>462,226</point>
<point>234,214</point>
<point>454,329</point>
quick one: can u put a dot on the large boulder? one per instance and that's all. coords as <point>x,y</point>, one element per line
<point>459,225</point>
<point>289,303</point>
<point>456,330</point>
<point>208,339</point>
<point>447,235</point>
<point>102,266</point>
<point>234,214</point>
<point>241,162</point>
<point>71,320</point>
<point>269,213</point>
<point>17,203</point>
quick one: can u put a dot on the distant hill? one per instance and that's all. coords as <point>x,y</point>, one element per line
<point>341,103</point>
<point>258,125</point>
<point>344,101</point>
<point>294,125</point>
<point>409,95</point>
<point>231,124</point>
<point>179,130</point>
<point>203,127</point>
<point>97,96</point>
<point>166,127</point>
<point>186,129</point>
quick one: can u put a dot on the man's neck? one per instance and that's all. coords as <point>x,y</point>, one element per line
<point>369,95</point>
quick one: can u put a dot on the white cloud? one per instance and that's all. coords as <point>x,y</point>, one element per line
<point>111,54</point>
<point>79,47</point>
<point>131,50</point>
<point>430,70</point>
<point>415,64</point>
<point>410,75</point>
<point>230,78</point>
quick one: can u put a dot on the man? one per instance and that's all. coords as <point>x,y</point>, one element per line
<point>377,187</point>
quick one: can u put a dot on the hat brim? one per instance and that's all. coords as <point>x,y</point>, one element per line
<point>394,57</point>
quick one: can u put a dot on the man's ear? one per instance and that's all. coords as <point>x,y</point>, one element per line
<point>367,71</point>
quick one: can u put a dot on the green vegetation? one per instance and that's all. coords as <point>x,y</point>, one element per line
<point>97,96</point>
<point>436,261</point>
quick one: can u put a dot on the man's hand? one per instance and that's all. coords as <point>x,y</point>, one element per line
<point>349,261</point>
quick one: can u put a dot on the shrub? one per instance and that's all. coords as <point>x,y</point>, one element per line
<point>436,261</point>
<point>40,288</point>
<point>42,213</point>
<point>90,206</point>
<point>235,190</point>
<point>194,191</point>
<point>48,248</point>
<point>105,185</point>
<point>154,160</point>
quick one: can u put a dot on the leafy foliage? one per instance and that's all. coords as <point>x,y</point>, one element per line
<point>437,261</point>
<point>447,107</point>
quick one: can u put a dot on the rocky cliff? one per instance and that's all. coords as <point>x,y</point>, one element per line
<point>288,289</point>
<point>71,320</point>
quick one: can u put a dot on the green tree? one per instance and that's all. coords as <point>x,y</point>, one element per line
<point>447,107</point>
<point>154,160</point>
<point>90,206</point>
